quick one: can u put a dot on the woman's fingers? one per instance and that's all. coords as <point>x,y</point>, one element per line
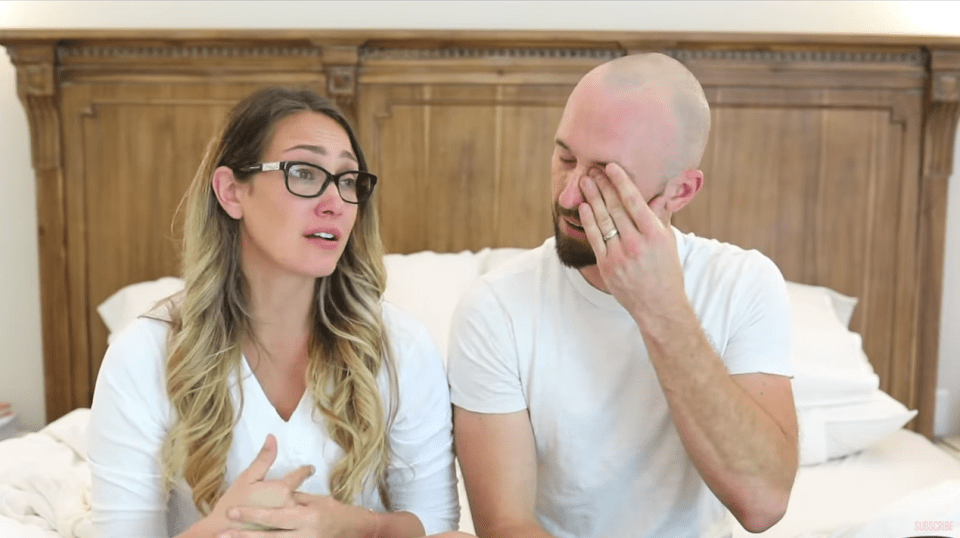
<point>261,519</point>
<point>295,478</point>
<point>257,470</point>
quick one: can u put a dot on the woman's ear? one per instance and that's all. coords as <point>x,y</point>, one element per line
<point>682,192</point>
<point>226,187</point>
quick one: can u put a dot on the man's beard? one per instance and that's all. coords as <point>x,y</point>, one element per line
<point>572,252</point>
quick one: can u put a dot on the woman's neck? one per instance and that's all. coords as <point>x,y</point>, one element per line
<point>279,307</point>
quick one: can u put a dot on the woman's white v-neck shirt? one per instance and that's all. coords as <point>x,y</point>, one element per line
<point>131,416</point>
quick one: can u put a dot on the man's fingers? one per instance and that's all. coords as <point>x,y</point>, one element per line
<point>615,175</point>
<point>592,192</point>
<point>593,215</point>
<point>295,478</point>
<point>257,470</point>
<point>636,210</point>
<point>658,205</point>
<point>592,230</point>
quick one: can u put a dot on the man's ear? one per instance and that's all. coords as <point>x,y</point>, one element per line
<point>226,187</point>
<point>681,192</point>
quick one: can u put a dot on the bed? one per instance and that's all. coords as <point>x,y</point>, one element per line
<point>830,154</point>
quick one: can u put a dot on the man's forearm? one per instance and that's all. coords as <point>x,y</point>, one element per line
<point>743,454</point>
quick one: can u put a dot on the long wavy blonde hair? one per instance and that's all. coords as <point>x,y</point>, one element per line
<point>347,347</point>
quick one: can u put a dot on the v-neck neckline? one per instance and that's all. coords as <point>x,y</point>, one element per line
<point>252,382</point>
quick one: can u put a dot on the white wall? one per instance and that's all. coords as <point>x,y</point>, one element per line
<point>20,347</point>
<point>21,373</point>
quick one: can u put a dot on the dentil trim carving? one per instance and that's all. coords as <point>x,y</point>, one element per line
<point>378,53</point>
<point>225,51</point>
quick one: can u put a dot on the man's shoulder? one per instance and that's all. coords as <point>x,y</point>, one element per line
<point>702,255</point>
<point>512,280</point>
<point>521,271</point>
<point>521,264</point>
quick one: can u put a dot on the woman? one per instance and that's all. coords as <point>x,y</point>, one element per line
<point>276,391</point>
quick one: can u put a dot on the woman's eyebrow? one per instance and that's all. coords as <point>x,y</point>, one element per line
<point>320,150</point>
<point>315,149</point>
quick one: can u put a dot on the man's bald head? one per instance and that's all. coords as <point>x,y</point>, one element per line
<point>659,75</point>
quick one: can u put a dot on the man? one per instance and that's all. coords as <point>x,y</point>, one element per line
<point>625,379</point>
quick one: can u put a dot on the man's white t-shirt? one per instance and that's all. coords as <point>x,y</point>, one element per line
<point>534,334</point>
<point>131,416</point>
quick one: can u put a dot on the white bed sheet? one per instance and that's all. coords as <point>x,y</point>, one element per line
<point>840,498</point>
<point>45,482</point>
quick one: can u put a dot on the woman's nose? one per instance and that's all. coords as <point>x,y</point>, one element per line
<point>329,200</point>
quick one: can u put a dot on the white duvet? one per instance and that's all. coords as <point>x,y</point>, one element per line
<point>45,482</point>
<point>929,512</point>
<point>901,487</point>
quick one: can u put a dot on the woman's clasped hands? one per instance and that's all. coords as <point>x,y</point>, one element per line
<point>254,507</point>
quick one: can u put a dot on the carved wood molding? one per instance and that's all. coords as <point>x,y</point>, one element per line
<point>940,128</point>
<point>280,62</point>
<point>461,53</point>
<point>340,64</point>
<point>942,115</point>
<point>36,87</point>
<point>912,58</point>
<point>940,131</point>
<point>183,51</point>
<point>946,86</point>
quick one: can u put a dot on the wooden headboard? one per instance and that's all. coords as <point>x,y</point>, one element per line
<point>828,153</point>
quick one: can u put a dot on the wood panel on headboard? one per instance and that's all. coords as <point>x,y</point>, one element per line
<point>828,153</point>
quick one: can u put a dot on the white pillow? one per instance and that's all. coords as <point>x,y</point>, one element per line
<point>428,286</point>
<point>828,432</point>
<point>425,284</point>
<point>135,300</point>
<point>842,304</point>
<point>840,408</point>
<point>489,258</point>
<point>829,364</point>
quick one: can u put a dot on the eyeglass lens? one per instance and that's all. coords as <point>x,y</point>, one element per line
<point>308,181</point>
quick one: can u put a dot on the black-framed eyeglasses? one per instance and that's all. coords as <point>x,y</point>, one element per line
<point>308,180</point>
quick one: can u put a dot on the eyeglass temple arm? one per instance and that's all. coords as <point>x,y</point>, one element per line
<point>263,167</point>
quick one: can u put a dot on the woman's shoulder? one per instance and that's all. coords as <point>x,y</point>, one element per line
<point>414,346</point>
<point>401,324</point>
<point>140,343</point>
<point>146,330</point>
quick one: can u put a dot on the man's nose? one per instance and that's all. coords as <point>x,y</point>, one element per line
<point>571,196</point>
